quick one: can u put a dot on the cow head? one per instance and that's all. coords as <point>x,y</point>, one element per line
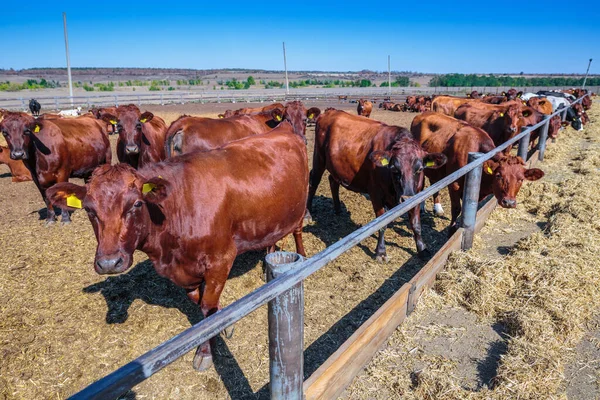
<point>17,129</point>
<point>574,119</point>
<point>296,114</point>
<point>121,204</point>
<point>511,119</point>
<point>406,161</point>
<point>129,126</point>
<point>508,174</point>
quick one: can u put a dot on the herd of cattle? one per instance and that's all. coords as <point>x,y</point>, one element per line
<point>197,193</point>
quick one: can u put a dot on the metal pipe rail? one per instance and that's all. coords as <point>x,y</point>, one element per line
<point>138,370</point>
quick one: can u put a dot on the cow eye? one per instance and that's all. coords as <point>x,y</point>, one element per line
<point>419,170</point>
<point>138,125</point>
<point>138,204</point>
<point>4,133</point>
<point>499,177</point>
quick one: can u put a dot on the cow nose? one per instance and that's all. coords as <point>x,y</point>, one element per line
<point>508,203</point>
<point>17,154</point>
<point>132,149</point>
<point>108,264</point>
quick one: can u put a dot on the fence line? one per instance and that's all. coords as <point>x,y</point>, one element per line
<point>138,370</point>
<point>245,96</point>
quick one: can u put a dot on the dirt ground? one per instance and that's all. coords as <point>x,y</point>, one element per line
<point>62,326</point>
<point>452,348</point>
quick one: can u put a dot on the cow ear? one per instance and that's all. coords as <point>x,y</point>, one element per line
<point>519,94</point>
<point>66,195</point>
<point>434,160</point>
<point>526,113</point>
<point>146,117</point>
<point>381,158</point>
<point>313,113</point>
<point>221,115</point>
<point>489,167</point>
<point>155,189</point>
<point>109,119</point>
<point>564,124</point>
<point>277,114</point>
<point>34,127</point>
<point>533,174</point>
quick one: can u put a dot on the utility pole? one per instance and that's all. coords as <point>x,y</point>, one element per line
<point>586,74</point>
<point>68,59</point>
<point>287,84</point>
<point>389,78</point>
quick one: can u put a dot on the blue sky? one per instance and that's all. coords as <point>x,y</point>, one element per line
<point>425,36</point>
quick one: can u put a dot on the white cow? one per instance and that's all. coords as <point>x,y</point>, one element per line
<point>70,113</point>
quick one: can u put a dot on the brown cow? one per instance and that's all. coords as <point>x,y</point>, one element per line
<point>18,170</point>
<point>367,156</point>
<point>54,150</point>
<point>501,122</point>
<point>141,137</point>
<point>364,108</point>
<point>386,105</point>
<point>502,176</point>
<point>256,110</point>
<point>540,104</point>
<point>193,214</point>
<point>100,113</point>
<point>449,104</point>
<point>474,95</point>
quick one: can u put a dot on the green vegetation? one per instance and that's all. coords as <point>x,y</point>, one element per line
<point>400,81</point>
<point>454,80</point>
<point>29,84</point>
<point>105,87</point>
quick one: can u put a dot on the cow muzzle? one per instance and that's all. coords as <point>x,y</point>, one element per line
<point>111,264</point>
<point>18,155</point>
<point>132,149</point>
<point>508,203</point>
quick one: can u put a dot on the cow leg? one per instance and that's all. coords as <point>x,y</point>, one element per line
<point>204,348</point>
<point>415,225</point>
<point>298,240</point>
<point>315,178</point>
<point>215,278</point>
<point>380,253</point>
<point>455,199</point>
<point>335,194</point>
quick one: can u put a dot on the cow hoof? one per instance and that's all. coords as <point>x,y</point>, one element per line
<point>438,210</point>
<point>63,223</point>
<point>382,258</point>
<point>50,223</point>
<point>228,332</point>
<point>202,362</point>
<point>307,219</point>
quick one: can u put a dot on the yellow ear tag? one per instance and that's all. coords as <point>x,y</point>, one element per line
<point>278,117</point>
<point>489,170</point>
<point>502,114</point>
<point>36,129</point>
<point>113,122</point>
<point>143,120</point>
<point>148,187</point>
<point>73,201</point>
<point>429,164</point>
<point>384,161</point>
<point>311,116</point>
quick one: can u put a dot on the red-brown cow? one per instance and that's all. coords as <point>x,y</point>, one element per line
<point>449,104</point>
<point>474,95</point>
<point>18,170</point>
<point>364,108</point>
<point>141,136</point>
<point>502,176</point>
<point>367,156</point>
<point>193,214</point>
<point>540,104</point>
<point>54,150</point>
<point>501,122</point>
<point>256,110</point>
<point>100,113</point>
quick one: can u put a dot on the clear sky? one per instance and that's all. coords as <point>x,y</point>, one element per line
<point>425,36</point>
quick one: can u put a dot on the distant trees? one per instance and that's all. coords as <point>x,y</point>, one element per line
<point>400,81</point>
<point>491,80</point>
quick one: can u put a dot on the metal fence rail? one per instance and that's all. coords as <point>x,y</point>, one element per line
<point>86,101</point>
<point>138,370</point>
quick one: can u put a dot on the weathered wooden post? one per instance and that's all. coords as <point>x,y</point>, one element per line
<point>543,138</point>
<point>286,331</point>
<point>524,145</point>
<point>469,202</point>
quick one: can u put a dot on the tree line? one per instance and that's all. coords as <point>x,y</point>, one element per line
<point>457,80</point>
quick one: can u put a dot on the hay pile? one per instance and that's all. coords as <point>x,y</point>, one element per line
<point>543,293</point>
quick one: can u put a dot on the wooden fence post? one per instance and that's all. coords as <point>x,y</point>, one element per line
<point>286,331</point>
<point>469,202</point>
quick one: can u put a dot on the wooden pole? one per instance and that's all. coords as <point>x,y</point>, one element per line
<point>286,331</point>
<point>287,84</point>
<point>68,58</point>
<point>470,201</point>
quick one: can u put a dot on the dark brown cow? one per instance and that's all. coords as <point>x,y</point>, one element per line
<point>501,122</point>
<point>18,170</point>
<point>193,214</point>
<point>387,105</point>
<point>367,156</point>
<point>364,108</point>
<point>474,95</point>
<point>141,137</point>
<point>502,175</point>
<point>55,150</point>
<point>580,111</point>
